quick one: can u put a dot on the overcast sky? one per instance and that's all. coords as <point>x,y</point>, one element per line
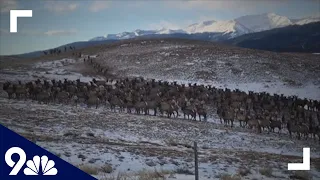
<point>55,23</point>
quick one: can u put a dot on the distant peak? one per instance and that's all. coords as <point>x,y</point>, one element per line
<point>207,23</point>
<point>272,14</point>
<point>194,24</point>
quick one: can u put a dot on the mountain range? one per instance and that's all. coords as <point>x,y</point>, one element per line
<point>294,38</point>
<point>228,29</point>
<point>265,32</point>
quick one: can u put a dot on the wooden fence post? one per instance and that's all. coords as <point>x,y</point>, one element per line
<point>196,169</point>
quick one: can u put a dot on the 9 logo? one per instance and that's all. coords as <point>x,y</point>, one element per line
<point>33,166</point>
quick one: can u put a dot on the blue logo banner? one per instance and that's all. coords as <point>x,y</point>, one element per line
<point>22,159</point>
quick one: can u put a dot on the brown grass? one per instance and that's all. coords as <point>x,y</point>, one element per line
<point>302,175</point>
<point>266,171</point>
<point>171,142</point>
<point>89,169</point>
<point>140,175</point>
<point>317,166</point>
<point>107,168</point>
<point>230,177</point>
<point>243,171</point>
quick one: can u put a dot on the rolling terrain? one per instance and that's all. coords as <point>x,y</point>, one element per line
<point>105,143</point>
<point>212,63</point>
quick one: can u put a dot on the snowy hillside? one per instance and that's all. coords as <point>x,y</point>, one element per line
<point>236,27</point>
<point>210,63</point>
<point>307,20</point>
<point>232,26</point>
<point>263,22</point>
<point>136,33</point>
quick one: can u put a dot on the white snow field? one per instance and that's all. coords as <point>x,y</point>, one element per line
<point>130,143</point>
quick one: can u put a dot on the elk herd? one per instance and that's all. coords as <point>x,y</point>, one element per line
<point>259,111</point>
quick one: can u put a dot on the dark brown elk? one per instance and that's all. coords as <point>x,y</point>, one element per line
<point>166,108</point>
<point>140,107</point>
<point>128,104</point>
<point>43,96</point>
<point>201,111</point>
<point>9,88</point>
<point>98,83</point>
<point>228,117</point>
<point>220,113</point>
<point>304,130</point>
<point>152,105</point>
<point>174,108</point>
<point>62,97</point>
<point>264,123</point>
<point>254,124</point>
<point>189,112</point>
<point>20,91</point>
<point>93,101</point>
<point>292,128</point>
<point>241,117</point>
<point>275,124</point>
<point>115,101</point>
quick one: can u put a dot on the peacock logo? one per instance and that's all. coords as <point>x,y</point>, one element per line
<point>47,166</point>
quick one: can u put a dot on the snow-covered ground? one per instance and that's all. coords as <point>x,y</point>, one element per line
<point>130,143</point>
<point>224,67</point>
<point>309,91</point>
<point>59,69</point>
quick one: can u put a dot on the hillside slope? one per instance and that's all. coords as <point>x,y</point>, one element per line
<point>77,45</point>
<point>304,38</point>
<point>211,63</point>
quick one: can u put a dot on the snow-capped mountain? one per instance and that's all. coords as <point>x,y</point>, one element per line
<point>169,31</point>
<point>231,28</point>
<point>264,22</point>
<point>306,20</point>
<point>125,35</point>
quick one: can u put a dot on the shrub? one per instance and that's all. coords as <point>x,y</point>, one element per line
<point>89,169</point>
<point>266,171</point>
<point>229,177</point>
<point>302,175</point>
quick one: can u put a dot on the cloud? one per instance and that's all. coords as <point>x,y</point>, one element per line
<point>241,5</point>
<point>4,32</point>
<point>137,4</point>
<point>7,5</point>
<point>61,6</point>
<point>21,32</point>
<point>97,6</point>
<point>60,32</point>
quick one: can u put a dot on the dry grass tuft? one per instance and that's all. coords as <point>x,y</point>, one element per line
<point>243,171</point>
<point>266,171</point>
<point>172,142</point>
<point>140,175</point>
<point>317,166</point>
<point>184,170</point>
<point>107,168</point>
<point>119,176</point>
<point>89,169</point>
<point>230,177</point>
<point>302,175</point>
